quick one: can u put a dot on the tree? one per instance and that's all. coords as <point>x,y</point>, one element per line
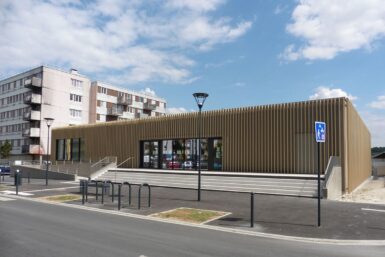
<point>5,149</point>
<point>377,150</point>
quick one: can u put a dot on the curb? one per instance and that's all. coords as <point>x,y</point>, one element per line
<point>216,228</point>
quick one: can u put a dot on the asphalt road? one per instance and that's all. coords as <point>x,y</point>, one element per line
<point>38,229</point>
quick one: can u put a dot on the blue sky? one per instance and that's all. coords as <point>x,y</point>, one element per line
<point>241,52</point>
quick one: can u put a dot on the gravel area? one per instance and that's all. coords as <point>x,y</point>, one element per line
<point>372,191</point>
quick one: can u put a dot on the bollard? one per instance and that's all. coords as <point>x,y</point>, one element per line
<point>113,191</point>
<point>251,210</point>
<point>129,192</point>
<point>17,181</point>
<point>86,188</point>
<point>103,186</point>
<point>140,189</point>
<point>119,195</point>
<point>96,190</point>
<point>82,184</point>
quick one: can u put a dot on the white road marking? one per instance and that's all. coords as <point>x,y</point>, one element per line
<point>51,189</point>
<point>7,192</point>
<point>4,199</point>
<point>375,210</point>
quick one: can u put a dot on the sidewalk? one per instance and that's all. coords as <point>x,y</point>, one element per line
<point>273,214</point>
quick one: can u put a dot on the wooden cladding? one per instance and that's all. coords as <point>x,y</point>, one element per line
<point>275,138</point>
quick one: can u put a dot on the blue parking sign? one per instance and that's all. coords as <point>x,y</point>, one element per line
<point>320,131</point>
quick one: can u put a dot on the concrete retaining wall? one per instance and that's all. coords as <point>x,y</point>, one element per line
<point>40,174</point>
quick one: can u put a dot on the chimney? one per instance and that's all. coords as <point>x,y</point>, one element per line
<point>74,71</point>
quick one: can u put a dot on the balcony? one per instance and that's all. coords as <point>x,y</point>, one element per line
<point>141,115</point>
<point>31,149</point>
<point>124,101</point>
<point>31,132</point>
<point>149,106</point>
<point>128,115</point>
<point>33,82</point>
<point>31,115</point>
<point>32,99</point>
<point>114,112</point>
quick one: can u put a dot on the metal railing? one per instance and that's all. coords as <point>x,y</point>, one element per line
<point>126,160</point>
<point>102,163</point>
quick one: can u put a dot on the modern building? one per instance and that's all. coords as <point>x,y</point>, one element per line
<point>69,98</point>
<point>277,138</point>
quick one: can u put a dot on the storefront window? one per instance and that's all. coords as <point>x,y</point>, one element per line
<point>150,154</point>
<point>166,153</point>
<point>60,149</point>
<point>217,154</point>
<point>182,154</point>
<point>75,149</point>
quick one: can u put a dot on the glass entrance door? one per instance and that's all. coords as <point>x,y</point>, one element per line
<point>150,154</point>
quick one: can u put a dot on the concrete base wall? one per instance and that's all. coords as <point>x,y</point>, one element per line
<point>40,174</point>
<point>333,187</point>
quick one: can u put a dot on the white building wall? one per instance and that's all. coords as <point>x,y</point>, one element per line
<point>57,87</point>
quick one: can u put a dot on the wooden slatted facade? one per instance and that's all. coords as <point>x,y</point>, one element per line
<point>275,138</point>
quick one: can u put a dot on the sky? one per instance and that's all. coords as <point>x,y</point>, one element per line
<point>242,53</point>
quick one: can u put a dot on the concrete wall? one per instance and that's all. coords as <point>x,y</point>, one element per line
<point>40,174</point>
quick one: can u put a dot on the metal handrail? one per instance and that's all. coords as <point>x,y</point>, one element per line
<point>129,158</point>
<point>98,162</point>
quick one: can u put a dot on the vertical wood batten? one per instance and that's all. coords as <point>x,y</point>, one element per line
<point>270,138</point>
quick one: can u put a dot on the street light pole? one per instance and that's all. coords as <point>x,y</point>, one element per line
<point>49,122</point>
<point>200,98</point>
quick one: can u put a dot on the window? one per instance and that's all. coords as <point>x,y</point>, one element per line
<point>76,98</point>
<point>77,83</point>
<point>69,149</point>
<point>75,149</point>
<point>103,90</point>
<point>60,149</point>
<point>75,113</point>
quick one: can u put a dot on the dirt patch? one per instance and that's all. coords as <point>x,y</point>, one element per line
<point>372,191</point>
<point>197,216</point>
<point>62,198</point>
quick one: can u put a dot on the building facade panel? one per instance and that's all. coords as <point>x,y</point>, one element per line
<point>268,139</point>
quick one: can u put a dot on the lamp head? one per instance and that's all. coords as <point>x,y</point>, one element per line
<point>200,98</point>
<point>49,121</point>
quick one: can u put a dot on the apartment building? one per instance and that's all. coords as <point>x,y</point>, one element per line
<point>29,97</point>
<point>69,98</point>
<point>110,103</point>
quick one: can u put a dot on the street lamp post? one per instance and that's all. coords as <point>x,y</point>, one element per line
<point>200,98</point>
<point>49,122</point>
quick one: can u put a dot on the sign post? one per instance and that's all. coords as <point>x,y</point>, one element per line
<point>320,136</point>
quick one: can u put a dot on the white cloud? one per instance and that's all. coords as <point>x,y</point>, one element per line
<point>113,36</point>
<point>376,125</point>
<point>148,91</point>
<point>239,84</point>
<point>330,27</point>
<point>379,104</point>
<point>175,110</point>
<point>326,92</point>
<point>196,5</point>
